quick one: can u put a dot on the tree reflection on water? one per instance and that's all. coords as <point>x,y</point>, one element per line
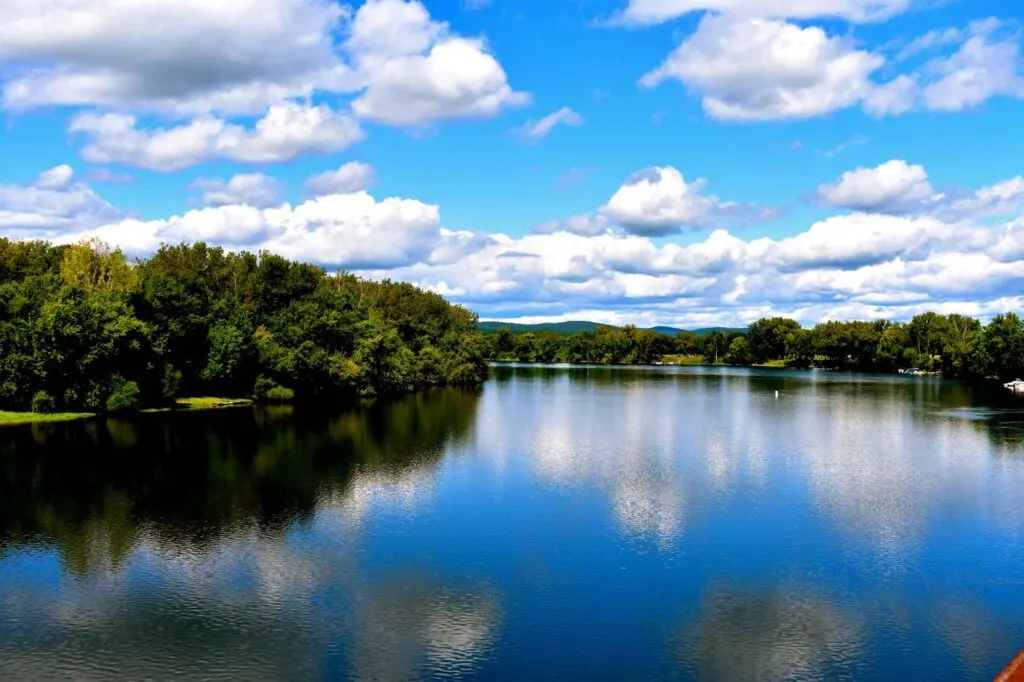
<point>89,488</point>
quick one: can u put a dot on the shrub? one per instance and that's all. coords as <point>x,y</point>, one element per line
<point>262,387</point>
<point>268,390</point>
<point>43,403</point>
<point>124,397</point>
<point>280,394</point>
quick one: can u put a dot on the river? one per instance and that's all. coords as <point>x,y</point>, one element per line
<point>559,523</point>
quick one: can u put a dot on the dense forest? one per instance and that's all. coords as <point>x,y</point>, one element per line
<point>955,345</point>
<point>84,328</point>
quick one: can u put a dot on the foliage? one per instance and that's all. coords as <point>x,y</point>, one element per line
<point>606,345</point>
<point>956,345</point>
<point>773,338</point>
<point>1002,347</point>
<point>280,394</point>
<point>43,403</point>
<point>85,325</point>
<point>124,397</point>
<point>739,352</point>
<point>267,390</point>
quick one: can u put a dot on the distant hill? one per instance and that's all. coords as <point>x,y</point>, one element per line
<point>576,326</point>
<point>556,327</point>
<point>707,330</point>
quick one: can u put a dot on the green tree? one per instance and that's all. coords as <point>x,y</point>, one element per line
<point>962,337</point>
<point>388,366</point>
<point>231,358</point>
<point>713,346</point>
<point>97,267</point>
<point>43,403</point>
<point>687,343</point>
<point>505,343</point>
<point>124,396</point>
<point>773,338</point>
<point>1003,347</point>
<point>739,352</point>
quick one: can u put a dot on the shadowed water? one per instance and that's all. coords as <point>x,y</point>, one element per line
<point>561,523</point>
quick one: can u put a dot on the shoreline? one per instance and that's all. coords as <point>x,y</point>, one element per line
<point>180,405</point>
<point>771,366</point>
<point>767,365</point>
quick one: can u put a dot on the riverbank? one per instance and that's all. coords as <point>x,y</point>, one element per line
<point>180,405</point>
<point>19,418</point>
<point>205,403</point>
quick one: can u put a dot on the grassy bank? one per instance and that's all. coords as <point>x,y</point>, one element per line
<point>771,364</point>
<point>17,418</point>
<point>692,360</point>
<point>207,403</point>
<point>203,403</point>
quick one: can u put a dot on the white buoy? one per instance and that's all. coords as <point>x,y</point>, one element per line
<point>776,394</point>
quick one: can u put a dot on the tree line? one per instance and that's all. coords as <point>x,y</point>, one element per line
<point>955,345</point>
<point>84,328</point>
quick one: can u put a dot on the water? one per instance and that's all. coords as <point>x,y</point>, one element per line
<point>597,524</point>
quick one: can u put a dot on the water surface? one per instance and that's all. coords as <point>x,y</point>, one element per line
<point>560,523</point>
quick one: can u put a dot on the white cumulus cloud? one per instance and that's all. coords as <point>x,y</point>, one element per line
<point>167,55</point>
<point>51,205</point>
<point>132,60</point>
<point>981,61</point>
<point>153,55</point>
<point>245,189</point>
<point>892,187</point>
<point>760,69</point>
<point>457,78</point>
<point>350,177</point>
<point>339,231</point>
<point>986,65</point>
<point>751,68</point>
<point>659,201</point>
<point>897,187</point>
<point>286,131</point>
<point>415,71</point>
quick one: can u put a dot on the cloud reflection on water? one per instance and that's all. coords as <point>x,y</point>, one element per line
<point>876,454</point>
<point>407,629</point>
<point>350,546</point>
<point>788,634</point>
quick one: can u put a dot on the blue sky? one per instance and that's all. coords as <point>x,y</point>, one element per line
<point>653,161</point>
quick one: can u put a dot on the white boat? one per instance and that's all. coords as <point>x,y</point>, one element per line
<point>1017,386</point>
